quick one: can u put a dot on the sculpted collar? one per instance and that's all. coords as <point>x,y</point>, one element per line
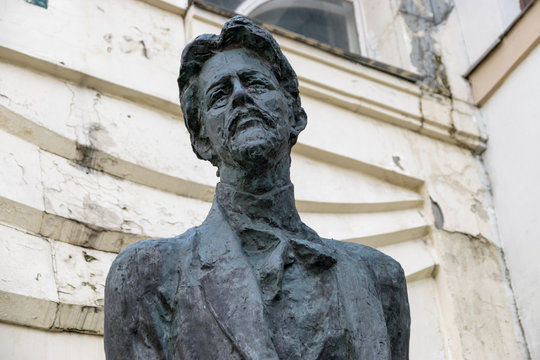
<point>274,217</point>
<point>274,209</point>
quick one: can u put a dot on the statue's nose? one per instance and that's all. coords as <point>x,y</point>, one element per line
<point>239,95</point>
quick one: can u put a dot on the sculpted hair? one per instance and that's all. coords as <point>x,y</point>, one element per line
<point>237,32</point>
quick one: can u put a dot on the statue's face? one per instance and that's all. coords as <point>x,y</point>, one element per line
<point>244,112</point>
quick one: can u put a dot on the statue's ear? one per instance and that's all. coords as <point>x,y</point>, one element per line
<point>199,141</point>
<point>203,147</point>
<point>299,122</point>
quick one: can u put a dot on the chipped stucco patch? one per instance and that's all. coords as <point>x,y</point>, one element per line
<point>423,17</point>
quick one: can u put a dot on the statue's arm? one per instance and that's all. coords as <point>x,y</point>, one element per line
<point>392,289</point>
<point>135,315</point>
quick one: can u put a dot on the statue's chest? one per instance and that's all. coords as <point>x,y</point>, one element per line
<point>317,316</point>
<point>307,318</point>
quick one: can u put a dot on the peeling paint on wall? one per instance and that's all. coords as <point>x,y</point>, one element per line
<point>423,17</point>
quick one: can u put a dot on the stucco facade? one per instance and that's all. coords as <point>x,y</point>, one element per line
<point>513,121</point>
<point>511,117</point>
<point>95,156</point>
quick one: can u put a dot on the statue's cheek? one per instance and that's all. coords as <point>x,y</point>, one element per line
<point>277,107</point>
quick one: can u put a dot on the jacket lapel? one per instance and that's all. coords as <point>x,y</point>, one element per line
<point>231,290</point>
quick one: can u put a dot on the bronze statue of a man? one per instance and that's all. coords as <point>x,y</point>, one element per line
<point>253,281</point>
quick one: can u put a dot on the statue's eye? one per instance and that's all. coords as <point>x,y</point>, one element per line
<point>258,85</point>
<point>218,98</point>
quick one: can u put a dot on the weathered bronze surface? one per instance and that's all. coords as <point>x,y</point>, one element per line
<point>253,281</point>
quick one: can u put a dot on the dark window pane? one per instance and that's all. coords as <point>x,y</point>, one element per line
<point>319,25</point>
<point>328,21</point>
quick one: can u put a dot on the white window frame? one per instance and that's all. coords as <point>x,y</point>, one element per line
<point>248,6</point>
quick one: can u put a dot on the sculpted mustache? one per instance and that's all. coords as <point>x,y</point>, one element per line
<point>250,111</point>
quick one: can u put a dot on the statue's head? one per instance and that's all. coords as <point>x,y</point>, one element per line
<point>239,96</point>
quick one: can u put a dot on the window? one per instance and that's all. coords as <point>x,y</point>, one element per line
<point>373,29</point>
<point>329,21</point>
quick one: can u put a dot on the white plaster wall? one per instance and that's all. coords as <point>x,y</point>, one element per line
<point>482,21</point>
<point>385,33</point>
<point>470,30</point>
<point>512,118</point>
<point>22,343</point>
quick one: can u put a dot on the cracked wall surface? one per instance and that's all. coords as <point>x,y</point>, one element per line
<point>422,19</point>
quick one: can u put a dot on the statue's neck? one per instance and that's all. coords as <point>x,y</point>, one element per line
<point>259,194</point>
<point>273,209</point>
<point>257,178</point>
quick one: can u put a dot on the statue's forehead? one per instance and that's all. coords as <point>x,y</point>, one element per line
<point>232,61</point>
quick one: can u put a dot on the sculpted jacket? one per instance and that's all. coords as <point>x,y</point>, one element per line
<point>197,296</point>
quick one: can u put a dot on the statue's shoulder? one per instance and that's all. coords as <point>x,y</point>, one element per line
<point>384,269</point>
<point>148,257</point>
<point>139,294</point>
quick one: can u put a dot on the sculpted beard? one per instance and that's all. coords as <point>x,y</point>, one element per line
<point>253,134</point>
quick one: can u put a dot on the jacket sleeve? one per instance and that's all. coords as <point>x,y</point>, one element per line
<point>137,315</point>
<point>392,288</point>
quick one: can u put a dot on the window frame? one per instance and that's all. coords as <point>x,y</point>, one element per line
<point>247,7</point>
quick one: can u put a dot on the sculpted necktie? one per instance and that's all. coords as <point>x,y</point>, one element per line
<point>270,252</point>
